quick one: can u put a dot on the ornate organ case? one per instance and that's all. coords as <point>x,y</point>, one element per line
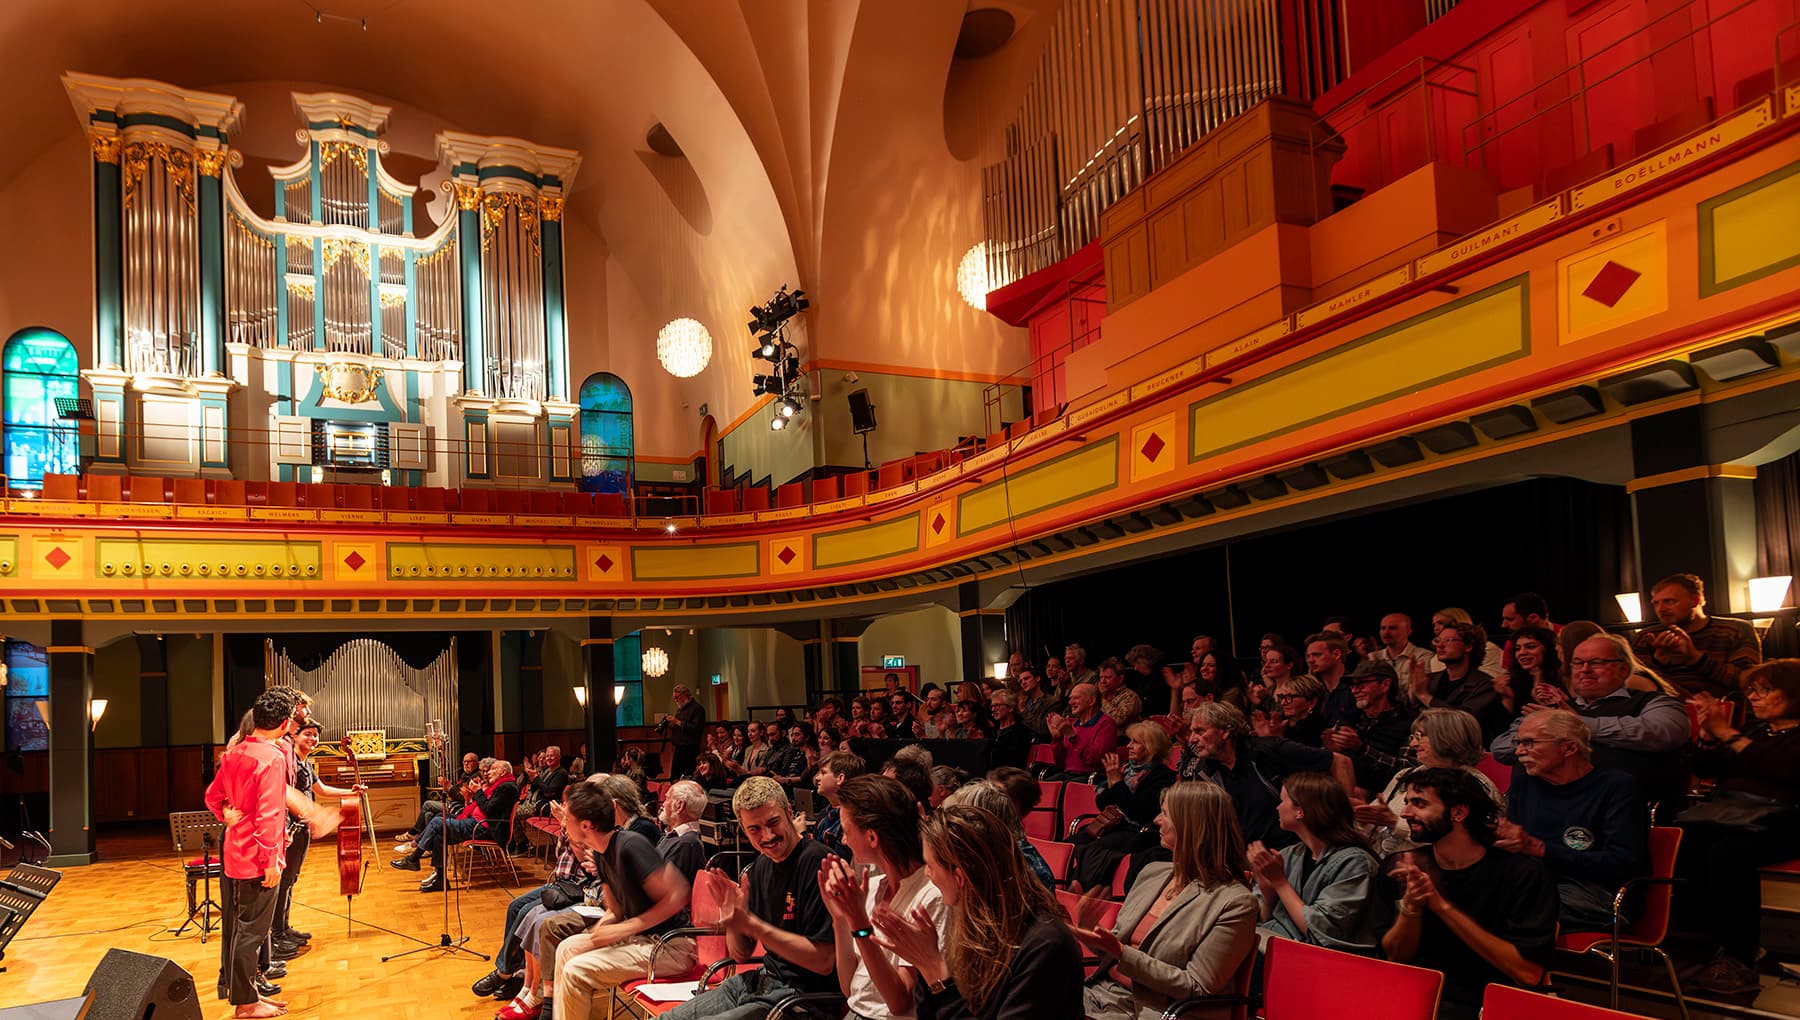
<point>337,339</point>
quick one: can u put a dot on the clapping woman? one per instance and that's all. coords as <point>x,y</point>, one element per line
<point>1007,954</point>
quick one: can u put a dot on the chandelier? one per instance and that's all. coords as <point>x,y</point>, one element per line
<point>656,662</point>
<point>684,348</point>
<point>972,277</point>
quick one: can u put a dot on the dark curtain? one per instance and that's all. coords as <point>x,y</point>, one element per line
<point>1777,497</point>
<point>1568,540</point>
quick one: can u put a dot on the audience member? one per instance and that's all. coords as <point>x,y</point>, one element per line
<point>995,801</point>
<point>1187,925</point>
<point>1320,889</point>
<point>1442,738</point>
<point>1490,660</point>
<point>887,865</point>
<point>1587,824</point>
<point>1751,820</point>
<point>1376,730</point>
<point>786,761</point>
<point>1701,654</point>
<point>1074,663</point>
<point>945,780</point>
<point>1326,654</point>
<point>777,905</point>
<point>1078,741</point>
<point>1277,663</point>
<point>1120,703</point>
<point>486,816</point>
<point>1410,662</point>
<point>1250,767</point>
<point>1007,954</point>
<point>835,769</point>
<point>1524,610</point>
<point>1299,716</point>
<point>1009,739</point>
<point>965,722</point>
<point>1056,678</point>
<point>683,729</point>
<point>859,716</point>
<point>902,720</point>
<point>1478,914</point>
<point>1640,733</point>
<point>1535,672</point>
<point>1461,683</point>
<point>934,715</point>
<point>1218,672</point>
<point>1035,703</point>
<point>1130,795</point>
<point>1143,676</point>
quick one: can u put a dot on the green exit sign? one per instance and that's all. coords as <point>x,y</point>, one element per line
<point>893,662</point>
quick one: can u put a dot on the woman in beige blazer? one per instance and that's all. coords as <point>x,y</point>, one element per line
<point>1187,926</point>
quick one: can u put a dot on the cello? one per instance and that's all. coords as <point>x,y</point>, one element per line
<point>354,814</point>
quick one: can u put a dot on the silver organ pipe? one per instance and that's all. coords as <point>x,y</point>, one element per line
<point>1122,89</point>
<point>251,278</point>
<point>437,290</point>
<point>512,257</point>
<point>365,685</point>
<point>162,257</point>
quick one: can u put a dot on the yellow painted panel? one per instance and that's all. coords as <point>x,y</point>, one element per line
<point>9,555</point>
<point>209,559</point>
<point>1754,231</point>
<point>855,545</point>
<point>419,561</point>
<point>693,562</point>
<point>1093,468</point>
<point>1460,338</point>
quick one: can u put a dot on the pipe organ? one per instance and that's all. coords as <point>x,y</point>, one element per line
<point>357,326</point>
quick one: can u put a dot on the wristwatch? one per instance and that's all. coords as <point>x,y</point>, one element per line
<point>940,987</point>
<point>862,933</point>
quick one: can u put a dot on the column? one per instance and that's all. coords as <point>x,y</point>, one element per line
<point>556,331</point>
<point>211,213</point>
<point>109,245</point>
<point>983,632</point>
<point>602,712</point>
<point>468,239</point>
<point>71,745</point>
<point>846,658</point>
<point>153,682</point>
<point>1691,515</point>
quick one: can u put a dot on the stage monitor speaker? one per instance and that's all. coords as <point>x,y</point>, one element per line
<point>133,986</point>
<point>862,411</point>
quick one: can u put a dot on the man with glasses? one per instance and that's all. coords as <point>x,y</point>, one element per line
<point>1699,653</point>
<point>1587,824</point>
<point>1461,683</point>
<point>1640,733</point>
<point>1372,735</point>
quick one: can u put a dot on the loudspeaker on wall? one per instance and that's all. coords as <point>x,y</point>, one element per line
<point>862,411</point>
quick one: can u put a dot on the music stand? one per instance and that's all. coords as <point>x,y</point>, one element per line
<point>188,828</point>
<point>439,749</point>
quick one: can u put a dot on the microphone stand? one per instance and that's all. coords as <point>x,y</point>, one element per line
<point>440,760</point>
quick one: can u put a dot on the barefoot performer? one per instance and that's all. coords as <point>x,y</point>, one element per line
<point>252,778</point>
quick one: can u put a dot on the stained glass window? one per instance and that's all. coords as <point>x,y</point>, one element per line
<point>27,684</point>
<point>628,676</point>
<point>37,366</point>
<point>606,442</point>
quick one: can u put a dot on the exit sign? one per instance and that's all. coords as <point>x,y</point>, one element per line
<point>893,662</point>
<point>718,679</point>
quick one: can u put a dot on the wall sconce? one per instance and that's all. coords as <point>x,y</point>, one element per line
<point>1631,603</point>
<point>43,707</point>
<point>581,695</point>
<point>999,671</point>
<point>1767,596</point>
<point>618,694</point>
<point>96,709</point>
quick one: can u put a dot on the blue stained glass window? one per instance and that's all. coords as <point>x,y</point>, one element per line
<point>606,440</point>
<point>27,683</point>
<point>628,676</point>
<point>37,366</point>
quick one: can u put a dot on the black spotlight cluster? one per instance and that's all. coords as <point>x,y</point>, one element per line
<point>768,325</point>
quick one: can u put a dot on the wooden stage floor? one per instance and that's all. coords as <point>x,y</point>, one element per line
<point>136,894</point>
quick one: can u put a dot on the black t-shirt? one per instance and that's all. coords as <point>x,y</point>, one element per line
<point>786,895</point>
<point>1508,895</point>
<point>629,860</point>
<point>1255,785</point>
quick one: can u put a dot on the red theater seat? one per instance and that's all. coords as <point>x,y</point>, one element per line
<point>756,497</point>
<point>106,488</point>
<point>429,499</point>
<point>191,491</point>
<point>232,492</point>
<point>284,494</point>
<point>511,501</point>
<point>63,487</point>
<point>721,501</point>
<point>357,497</point>
<point>395,497</point>
<point>790,495</point>
<point>610,504</point>
<point>856,483</point>
<point>144,489</point>
<point>891,474</point>
<point>545,502</point>
<point>824,490</point>
<point>475,501</point>
<point>577,503</point>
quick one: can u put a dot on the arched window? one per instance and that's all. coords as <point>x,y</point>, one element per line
<point>36,367</point>
<point>605,434</point>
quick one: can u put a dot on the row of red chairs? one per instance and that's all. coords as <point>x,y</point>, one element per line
<point>328,495</point>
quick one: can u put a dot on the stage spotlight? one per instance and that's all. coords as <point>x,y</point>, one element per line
<point>789,407</point>
<point>777,423</point>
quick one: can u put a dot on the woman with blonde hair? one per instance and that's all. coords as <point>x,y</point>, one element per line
<point>1188,924</point>
<point>1128,800</point>
<point>1442,738</point>
<point>1007,954</point>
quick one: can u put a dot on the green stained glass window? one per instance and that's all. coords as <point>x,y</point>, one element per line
<point>606,440</point>
<point>36,367</point>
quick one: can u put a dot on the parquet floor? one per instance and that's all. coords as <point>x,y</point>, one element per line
<point>136,894</point>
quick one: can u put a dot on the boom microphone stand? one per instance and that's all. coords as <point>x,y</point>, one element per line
<point>440,760</point>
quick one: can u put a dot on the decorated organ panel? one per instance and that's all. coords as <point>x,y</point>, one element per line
<point>367,330</point>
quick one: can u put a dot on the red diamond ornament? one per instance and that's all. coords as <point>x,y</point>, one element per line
<point>354,561</point>
<point>937,524</point>
<point>56,557</point>
<point>605,563</point>
<point>786,555</point>
<point>1152,446</point>
<point>1610,284</point>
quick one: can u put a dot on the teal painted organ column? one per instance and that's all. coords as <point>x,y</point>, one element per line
<point>212,263</point>
<point>556,330</point>
<point>468,230</point>
<point>109,259</point>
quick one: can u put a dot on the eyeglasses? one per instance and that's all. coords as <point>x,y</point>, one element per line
<point>1578,663</point>
<point>1290,697</point>
<point>1527,743</point>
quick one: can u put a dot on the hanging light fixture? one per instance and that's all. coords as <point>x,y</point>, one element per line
<point>972,277</point>
<point>684,348</point>
<point>581,695</point>
<point>656,662</point>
